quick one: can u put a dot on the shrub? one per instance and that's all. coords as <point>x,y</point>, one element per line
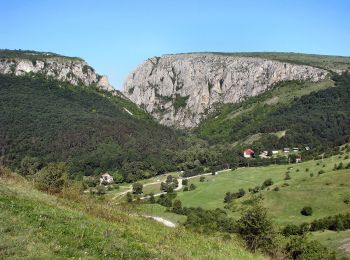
<point>152,199</point>
<point>201,179</point>
<point>137,188</point>
<point>321,172</point>
<point>101,190</point>
<point>256,229</point>
<point>287,177</point>
<point>306,211</point>
<point>177,207</point>
<point>164,201</point>
<point>186,188</point>
<point>129,197</point>
<point>184,182</point>
<point>52,178</point>
<point>192,186</point>
<point>307,169</point>
<point>299,247</point>
<point>276,188</point>
<point>297,170</point>
<point>311,174</point>
<point>266,183</point>
<point>29,165</point>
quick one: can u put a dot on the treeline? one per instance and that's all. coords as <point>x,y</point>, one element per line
<point>30,55</point>
<point>320,120</point>
<point>338,222</point>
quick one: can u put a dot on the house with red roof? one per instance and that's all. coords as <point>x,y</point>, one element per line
<point>248,153</point>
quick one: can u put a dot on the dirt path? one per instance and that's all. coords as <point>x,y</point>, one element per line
<point>176,189</point>
<point>161,220</point>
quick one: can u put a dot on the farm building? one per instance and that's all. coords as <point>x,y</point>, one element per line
<point>248,153</point>
<point>106,178</point>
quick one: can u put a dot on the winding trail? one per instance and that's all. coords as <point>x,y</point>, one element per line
<point>163,192</point>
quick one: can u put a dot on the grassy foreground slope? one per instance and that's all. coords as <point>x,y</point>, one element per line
<point>37,225</point>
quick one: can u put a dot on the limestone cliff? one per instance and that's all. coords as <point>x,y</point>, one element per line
<point>73,70</point>
<point>179,90</point>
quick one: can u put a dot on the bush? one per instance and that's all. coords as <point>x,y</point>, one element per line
<point>101,190</point>
<point>29,166</point>
<point>186,188</point>
<point>52,178</point>
<point>266,183</point>
<point>129,197</point>
<point>137,188</point>
<point>192,186</point>
<point>321,172</point>
<point>287,177</point>
<point>276,188</point>
<point>299,247</point>
<point>311,175</point>
<point>184,182</point>
<point>256,229</point>
<point>306,211</point>
<point>201,179</point>
<point>177,207</point>
<point>307,169</point>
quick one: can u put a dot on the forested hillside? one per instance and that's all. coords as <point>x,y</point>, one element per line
<point>307,114</point>
<point>45,121</point>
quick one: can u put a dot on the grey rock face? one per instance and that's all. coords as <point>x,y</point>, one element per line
<point>74,71</point>
<point>179,90</point>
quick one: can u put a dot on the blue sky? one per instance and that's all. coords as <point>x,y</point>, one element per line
<point>116,36</point>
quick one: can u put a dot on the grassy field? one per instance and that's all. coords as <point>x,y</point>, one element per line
<point>325,192</point>
<point>339,241</point>
<point>39,226</point>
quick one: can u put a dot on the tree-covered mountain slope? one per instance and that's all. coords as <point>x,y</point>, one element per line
<point>293,114</point>
<point>46,120</point>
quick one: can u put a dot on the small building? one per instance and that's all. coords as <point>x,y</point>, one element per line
<point>286,150</point>
<point>275,152</point>
<point>248,153</point>
<point>307,148</point>
<point>295,149</point>
<point>106,178</point>
<point>298,160</point>
<point>264,155</point>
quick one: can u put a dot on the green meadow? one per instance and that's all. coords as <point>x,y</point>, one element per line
<point>324,192</point>
<point>36,225</point>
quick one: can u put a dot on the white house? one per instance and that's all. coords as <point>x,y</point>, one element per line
<point>274,152</point>
<point>106,178</point>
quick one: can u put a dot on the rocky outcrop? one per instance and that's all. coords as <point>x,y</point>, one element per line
<point>179,90</point>
<point>72,70</point>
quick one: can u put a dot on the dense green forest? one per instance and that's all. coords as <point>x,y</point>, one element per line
<point>320,119</point>
<point>46,121</point>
